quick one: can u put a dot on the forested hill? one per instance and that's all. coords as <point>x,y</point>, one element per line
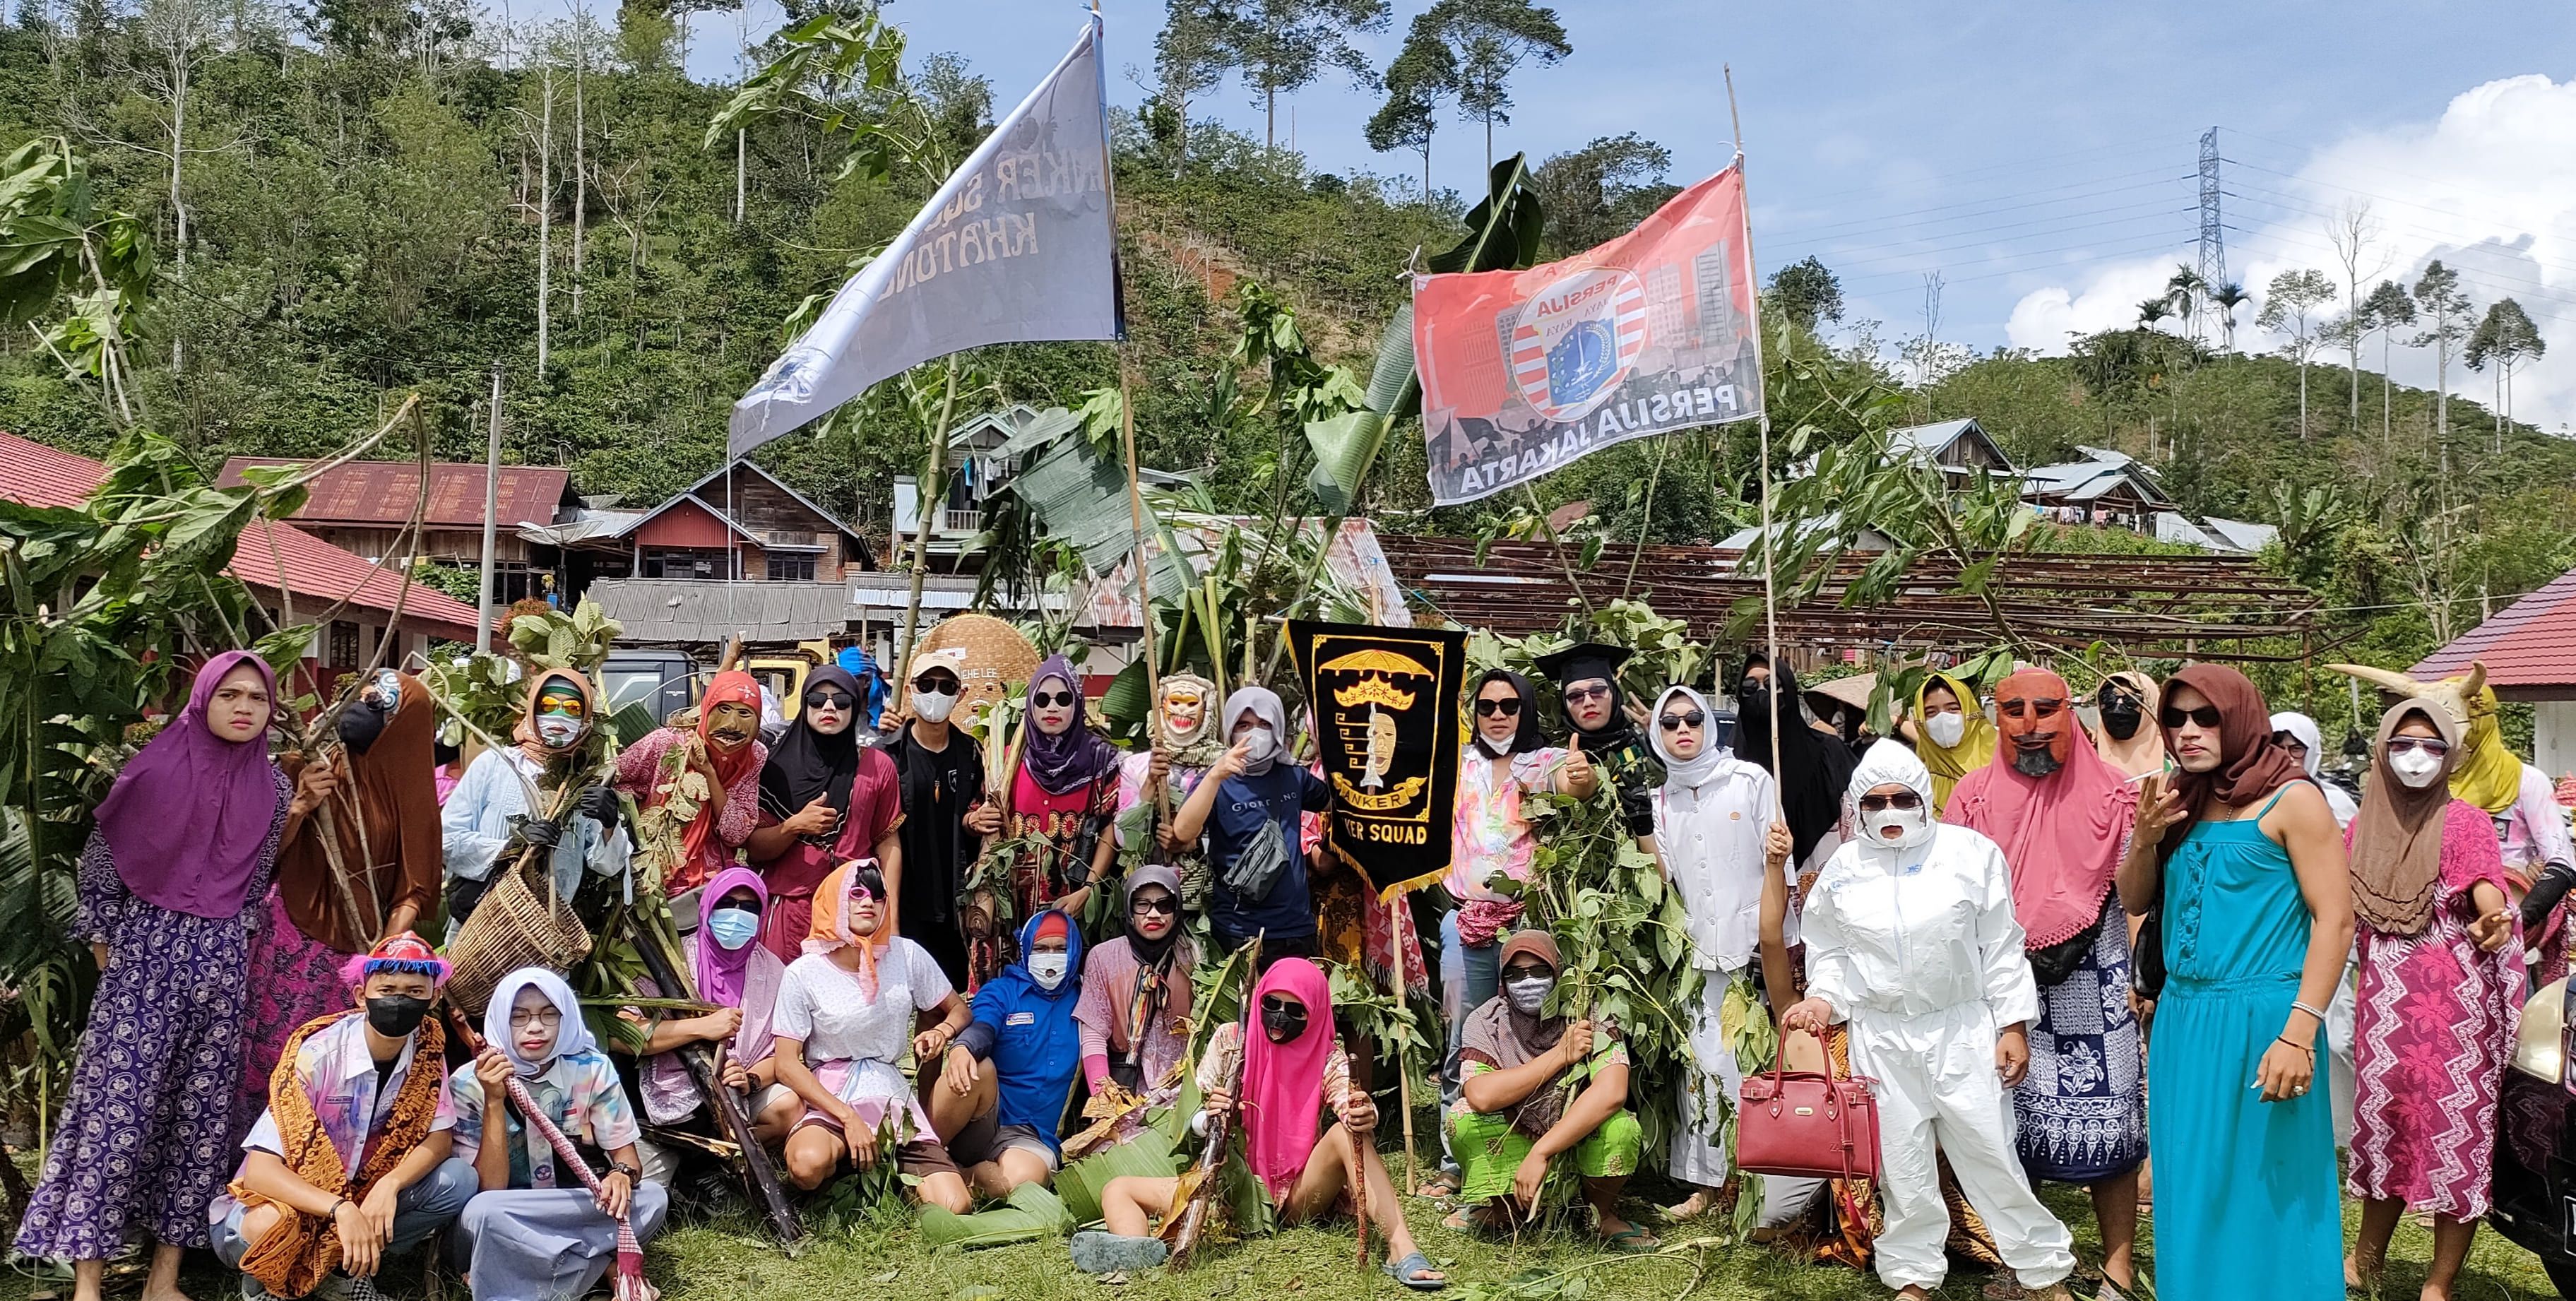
<point>367,188</point>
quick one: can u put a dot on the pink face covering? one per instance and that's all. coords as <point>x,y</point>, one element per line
<point>1283,1084</point>
<point>2061,833</point>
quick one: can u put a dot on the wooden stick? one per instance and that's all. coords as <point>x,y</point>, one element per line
<point>1404,1086</point>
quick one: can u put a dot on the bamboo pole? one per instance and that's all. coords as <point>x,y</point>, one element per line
<point>924,506</point>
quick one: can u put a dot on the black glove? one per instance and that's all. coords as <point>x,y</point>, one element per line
<point>599,804</point>
<point>534,833</point>
<point>1637,809</point>
<point>2545,894</point>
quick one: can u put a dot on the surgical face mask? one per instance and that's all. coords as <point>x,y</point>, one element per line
<point>1911,826</point>
<point>1946,730</point>
<point>557,731</point>
<point>1049,969</point>
<point>933,707</point>
<point>1528,993</point>
<point>2415,768</point>
<point>1259,745</point>
<point>395,1016</point>
<point>733,927</point>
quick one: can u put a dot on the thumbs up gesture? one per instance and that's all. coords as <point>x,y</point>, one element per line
<point>1581,778</point>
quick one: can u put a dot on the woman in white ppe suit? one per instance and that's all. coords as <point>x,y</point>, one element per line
<point>1911,938</point>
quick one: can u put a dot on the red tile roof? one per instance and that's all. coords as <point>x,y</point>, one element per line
<point>313,570</point>
<point>382,492</point>
<point>2530,643</point>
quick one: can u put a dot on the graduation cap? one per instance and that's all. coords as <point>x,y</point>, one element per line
<point>1585,661</point>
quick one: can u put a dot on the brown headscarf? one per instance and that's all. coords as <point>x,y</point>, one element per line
<point>2249,765</point>
<point>385,820</point>
<point>2397,836</point>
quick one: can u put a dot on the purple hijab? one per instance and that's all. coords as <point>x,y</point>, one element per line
<point>723,973</point>
<point>1073,756</point>
<point>186,819</point>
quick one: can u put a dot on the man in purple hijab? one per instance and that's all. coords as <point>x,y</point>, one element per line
<point>169,884</point>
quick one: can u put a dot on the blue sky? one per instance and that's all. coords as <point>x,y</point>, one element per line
<point>2038,156</point>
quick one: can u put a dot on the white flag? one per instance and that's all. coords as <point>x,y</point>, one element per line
<point>1018,246</point>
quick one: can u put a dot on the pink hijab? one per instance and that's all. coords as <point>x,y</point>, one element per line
<point>2062,834</point>
<point>1283,1084</point>
<point>187,819</point>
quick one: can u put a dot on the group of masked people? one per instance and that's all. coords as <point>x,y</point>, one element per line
<point>1983,917</point>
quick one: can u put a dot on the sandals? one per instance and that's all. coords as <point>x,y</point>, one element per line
<point>1410,1272</point>
<point>1439,1185</point>
<point>1631,1241</point>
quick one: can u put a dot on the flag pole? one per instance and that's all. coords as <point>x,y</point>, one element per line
<point>1770,592</point>
<point>1127,437</point>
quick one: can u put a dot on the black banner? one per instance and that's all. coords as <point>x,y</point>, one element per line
<point>1388,731</point>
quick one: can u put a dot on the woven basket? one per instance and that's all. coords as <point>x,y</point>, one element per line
<point>996,656</point>
<point>510,929</point>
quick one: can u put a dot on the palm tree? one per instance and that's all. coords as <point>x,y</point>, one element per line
<point>2153,311</point>
<point>2227,298</point>
<point>2184,292</point>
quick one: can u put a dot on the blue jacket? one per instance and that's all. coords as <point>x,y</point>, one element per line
<point>1029,1035</point>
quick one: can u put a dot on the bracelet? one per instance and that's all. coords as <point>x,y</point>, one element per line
<point>334,1212</point>
<point>2309,1049</point>
<point>2319,1014</point>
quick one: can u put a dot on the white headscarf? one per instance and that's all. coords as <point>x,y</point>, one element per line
<point>1265,705</point>
<point>1886,762</point>
<point>2304,728</point>
<point>1694,772</point>
<point>571,1036</point>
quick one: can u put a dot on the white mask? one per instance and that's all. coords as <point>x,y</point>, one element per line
<point>1259,745</point>
<point>557,731</point>
<point>2415,768</point>
<point>1911,825</point>
<point>1049,969</point>
<point>1946,729</point>
<point>932,706</point>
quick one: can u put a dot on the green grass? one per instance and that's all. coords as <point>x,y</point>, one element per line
<point>883,1258</point>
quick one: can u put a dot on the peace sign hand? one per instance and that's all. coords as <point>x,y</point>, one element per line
<point>2159,808</point>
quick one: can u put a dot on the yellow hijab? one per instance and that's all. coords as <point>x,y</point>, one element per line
<point>1976,747</point>
<point>2490,776</point>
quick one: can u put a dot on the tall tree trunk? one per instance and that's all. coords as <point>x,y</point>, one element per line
<point>1269,116</point>
<point>2442,391</point>
<point>580,161</point>
<point>741,172</point>
<point>1489,144</point>
<point>545,217</point>
<point>932,491</point>
<point>2387,417</point>
<point>2303,400</point>
<point>178,206</point>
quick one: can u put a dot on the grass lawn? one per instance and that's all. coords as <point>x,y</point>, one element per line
<point>883,1258</point>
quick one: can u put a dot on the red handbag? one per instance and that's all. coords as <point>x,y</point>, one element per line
<point>1807,1125</point>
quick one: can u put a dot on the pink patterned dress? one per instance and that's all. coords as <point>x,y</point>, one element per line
<point>2435,1028</point>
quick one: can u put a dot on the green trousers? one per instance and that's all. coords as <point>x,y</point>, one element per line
<point>1490,1151</point>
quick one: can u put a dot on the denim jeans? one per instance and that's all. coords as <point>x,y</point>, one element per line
<point>419,1211</point>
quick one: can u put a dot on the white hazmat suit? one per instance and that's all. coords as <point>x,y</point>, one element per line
<point>1913,941</point>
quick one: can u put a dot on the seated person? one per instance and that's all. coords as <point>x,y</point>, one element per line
<point>740,976</point>
<point>1135,1012</point>
<point>1522,1103</point>
<point>370,1135</point>
<point>534,1230</point>
<point>844,1012</point>
<point>1001,1093</point>
<point>1292,1070</point>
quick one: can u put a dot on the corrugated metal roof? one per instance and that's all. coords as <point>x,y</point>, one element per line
<point>382,492</point>
<point>687,611</point>
<point>311,569</point>
<point>1933,439</point>
<point>2528,644</point>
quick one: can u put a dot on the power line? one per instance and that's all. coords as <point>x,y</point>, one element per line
<point>2285,199</point>
<point>2165,174</point>
<point>2158,204</point>
<point>2163,214</point>
<point>1882,187</point>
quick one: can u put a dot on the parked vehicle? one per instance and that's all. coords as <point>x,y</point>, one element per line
<point>2535,1153</point>
<point>663,681</point>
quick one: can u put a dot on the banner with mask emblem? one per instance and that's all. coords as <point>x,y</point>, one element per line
<point>1388,730</point>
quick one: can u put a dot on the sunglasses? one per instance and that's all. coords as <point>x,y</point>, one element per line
<point>939,684</point>
<point>2289,742</point>
<point>1881,803</point>
<point>829,700</point>
<point>1491,708</point>
<point>1282,1005</point>
<point>2174,716</point>
<point>1051,699</point>
<point>2433,746</point>
<point>1587,693</point>
<point>1676,722</point>
<point>1163,907</point>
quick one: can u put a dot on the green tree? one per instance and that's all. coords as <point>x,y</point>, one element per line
<point>2289,307</point>
<point>1189,61</point>
<point>2506,337</point>
<point>1422,75</point>
<point>2186,293</point>
<point>1488,41</point>
<point>1807,292</point>
<point>2388,307</point>
<point>2152,312</point>
<point>2227,298</point>
<point>2439,297</point>
<point>1601,191</point>
<point>1281,46</point>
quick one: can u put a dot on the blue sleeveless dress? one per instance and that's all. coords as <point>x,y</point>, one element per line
<point>2246,1200</point>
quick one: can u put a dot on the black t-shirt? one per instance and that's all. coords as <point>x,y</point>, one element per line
<point>938,787</point>
<point>1267,805</point>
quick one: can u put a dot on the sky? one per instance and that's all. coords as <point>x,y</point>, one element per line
<point>2039,157</point>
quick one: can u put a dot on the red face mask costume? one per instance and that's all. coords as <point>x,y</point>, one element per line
<point>2031,711</point>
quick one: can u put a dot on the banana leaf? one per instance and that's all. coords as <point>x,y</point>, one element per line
<point>633,723</point>
<point>1148,1154</point>
<point>1032,1213</point>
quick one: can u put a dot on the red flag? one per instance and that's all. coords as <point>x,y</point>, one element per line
<point>1524,371</point>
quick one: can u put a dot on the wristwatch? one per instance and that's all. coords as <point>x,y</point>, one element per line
<point>632,1174</point>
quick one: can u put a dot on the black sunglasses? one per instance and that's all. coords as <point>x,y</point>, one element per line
<point>935,684</point>
<point>1587,693</point>
<point>829,700</point>
<point>1163,907</point>
<point>1490,708</point>
<point>1880,803</point>
<point>2176,716</point>
<point>1676,722</point>
<point>1282,1005</point>
<point>1046,699</point>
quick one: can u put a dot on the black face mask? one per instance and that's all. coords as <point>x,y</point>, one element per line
<point>2121,715</point>
<point>395,1016</point>
<point>360,725</point>
<point>1283,1023</point>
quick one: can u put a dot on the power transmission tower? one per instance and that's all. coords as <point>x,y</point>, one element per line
<point>2213,230</point>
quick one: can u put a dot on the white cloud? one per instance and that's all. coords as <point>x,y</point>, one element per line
<point>2489,187</point>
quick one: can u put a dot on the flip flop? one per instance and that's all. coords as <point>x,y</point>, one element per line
<point>1437,1187</point>
<point>1409,1271</point>
<point>1631,1241</point>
